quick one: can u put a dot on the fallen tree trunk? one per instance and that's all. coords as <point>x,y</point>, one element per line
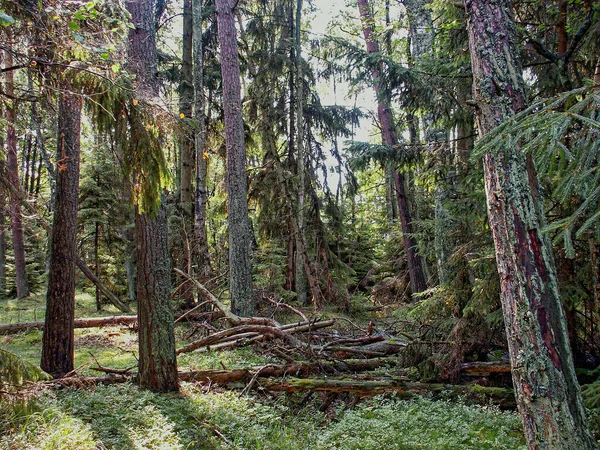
<point>94,279</point>
<point>89,322</point>
<point>499,396</point>
<point>295,369</point>
<point>484,369</point>
<point>271,380</point>
<point>235,375</point>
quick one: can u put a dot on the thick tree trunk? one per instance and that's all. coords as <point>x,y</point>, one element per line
<point>157,361</point>
<point>240,239</point>
<point>201,195</point>
<point>546,388</point>
<point>58,338</point>
<point>157,365</point>
<point>16,216</point>
<point>384,113</point>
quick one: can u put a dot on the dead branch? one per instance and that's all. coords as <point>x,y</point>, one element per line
<point>285,305</point>
<point>242,333</point>
<point>89,322</point>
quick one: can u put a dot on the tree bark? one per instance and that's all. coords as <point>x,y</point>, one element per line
<point>384,113</point>
<point>16,216</point>
<point>547,391</point>
<point>158,364</point>
<point>157,360</point>
<point>2,237</point>
<point>240,239</point>
<point>300,276</point>
<point>186,102</point>
<point>204,268</point>
<point>58,339</point>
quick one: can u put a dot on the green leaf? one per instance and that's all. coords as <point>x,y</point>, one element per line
<point>104,55</point>
<point>5,19</point>
<point>74,26</point>
<point>80,14</point>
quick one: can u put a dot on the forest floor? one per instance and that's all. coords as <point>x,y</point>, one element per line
<point>207,416</point>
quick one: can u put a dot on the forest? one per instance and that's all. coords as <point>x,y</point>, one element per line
<point>288,224</point>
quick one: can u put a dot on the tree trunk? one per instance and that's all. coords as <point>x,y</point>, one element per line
<point>186,149</point>
<point>158,364</point>
<point>16,216</point>
<point>240,240</point>
<point>157,361</point>
<point>186,102</point>
<point>300,276</point>
<point>97,262</point>
<point>384,113</point>
<point>58,338</point>
<point>547,391</point>
<point>2,239</point>
<point>201,195</point>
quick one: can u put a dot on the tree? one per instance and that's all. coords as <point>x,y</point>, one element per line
<point>201,195</point>
<point>547,391</point>
<point>16,217</point>
<point>388,131</point>
<point>58,349</point>
<point>157,361</point>
<point>240,238</point>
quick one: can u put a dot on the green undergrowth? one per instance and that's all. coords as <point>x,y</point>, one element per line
<point>124,417</point>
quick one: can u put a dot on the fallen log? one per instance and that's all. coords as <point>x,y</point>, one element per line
<point>115,376</point>
<point>101,287</point>
<point>479,394</point>
<point>484,369</point>
<point>89,322</point>
<point>294,369</point>
<point>271,380</point>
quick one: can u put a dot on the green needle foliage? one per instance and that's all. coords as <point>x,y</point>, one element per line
<point>14,370</point>
<point>563,135</point>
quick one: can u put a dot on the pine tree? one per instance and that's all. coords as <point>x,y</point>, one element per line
<point>58,342</point>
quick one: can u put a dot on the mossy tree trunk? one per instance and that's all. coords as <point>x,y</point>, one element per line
<point>547,391</point>
<point>240,239</point>
<point>58,350</point>
<point>384,113</point>
<point>157,360</point>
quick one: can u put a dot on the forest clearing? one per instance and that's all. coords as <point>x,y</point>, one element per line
<point>296,225</point>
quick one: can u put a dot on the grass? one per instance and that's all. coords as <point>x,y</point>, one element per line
<point>124,417</point>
